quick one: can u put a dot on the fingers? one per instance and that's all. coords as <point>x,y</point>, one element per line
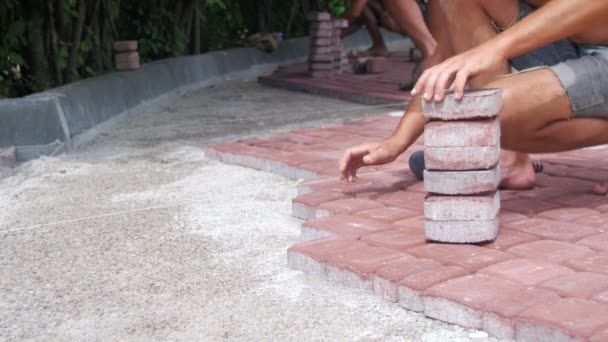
<point>460,81</point>
<point>351,162</point>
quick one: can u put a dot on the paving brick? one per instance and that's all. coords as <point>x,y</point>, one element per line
<point>355,268</point>
<point>593,262</point>
<point>125,46</point>
<point>567,214</point>
<point>387,278</point>
<point>578,285</point>
<point>8,156</point>
<point>345,226</point>
<point>461,182</point>
<point>461,231</point>
<point>462,300</point>
<point>305,206</point>
<point>472,258</point>
<point>528,206</point>
<point>397,239</point>
<point>461,158</point>
<point>417,187</point>
<point>582,200</point>
<point>475,104</point>
<point>346,206</point>
<point>602,336</point>
<point>321,25</point>
<point>412,223</point>
<point>598,242</point>
<point>577,186</point>
<point>411,288</point>
<point>318,16</point>
<point>570,319</point>
<point>310,257</point>
<point>462,208</point>
<point>125,61</point>
<point>556,252</point>
<point>528,272</point>
<point>403,199</point>
<point>505,216</point>
<point>321,58</point>
<point>508,238</point>
<point>320,66</point>
<point>599,221</point>
<point>388,214</point>
<point>601,297</point>
<point>376,65</point>
<point>543,194</point>
<point>499,313</point>
<point>553,230</point>
<point>340,23</point>
<point>462,133</point>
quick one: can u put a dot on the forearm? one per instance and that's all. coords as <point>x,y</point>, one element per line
<point>411,125</point>
<point>556,20</point>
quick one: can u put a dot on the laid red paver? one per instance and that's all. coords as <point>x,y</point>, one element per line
<point>569,319</point>
<point>528,272</point>
<point>550,250</point>
<point>552,242</point>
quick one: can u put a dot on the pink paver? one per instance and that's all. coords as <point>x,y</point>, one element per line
<point>475,104</point>
<point>461,182</point>
<point>462,208</point>
<point>305,206</point>
<point>472,258</point>
<point>479,133</point>
<point>569,319</point>
<point>528,272</point>
<point>553,251</point>
<point>355,268</point>
<point>345,226</point>
<point>557,229</point>
<point>461,158</point>
<point>461,231</point>
<point>387,278</point>
<point>578,285</point>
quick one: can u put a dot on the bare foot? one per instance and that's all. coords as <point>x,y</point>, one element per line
<point>517,171</point>
<point>601,189</point>
<point>375,51</point>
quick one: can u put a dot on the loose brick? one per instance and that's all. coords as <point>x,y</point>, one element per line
<point>376,65</point>
<point>388,214</point>
<point>553,230</point>
<point>475,104</point>
<point>318,16</point>
<point>322,33</point>
<point>322,58</point>
<point>346,226</point>
<point>508,238</point>
<point>462,300</point>
<point>320,50</point>
<point>8,156</point>
<point>125,46</point>
<point>556,252</point>
<point>462,133</point>
<point>321,25</point>
<point>461,231</point>
<point>598,242</point>
<point>125,61</point>
<point>340,23</point>
<point>304,207</point>
<point>593,262</point>
<point>462,208</point>
<point>499,313</point>
<point>528,206</point>
<point>355,268</point>
<point>472,258</point>
<point>317,41</point>
<point>386,279</point>
<point>411,288</point>
<point>578,285</point>
<point>461,182</point>
<point>528,272</point>
<point>461,158</point>
<point>397,239</point>
<point>310,257</point>
<point>570,319</point>
<point>346,206</point>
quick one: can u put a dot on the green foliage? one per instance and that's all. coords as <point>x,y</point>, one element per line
<point>41,48</point>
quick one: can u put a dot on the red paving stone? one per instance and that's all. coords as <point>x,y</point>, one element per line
<point>553,239</point>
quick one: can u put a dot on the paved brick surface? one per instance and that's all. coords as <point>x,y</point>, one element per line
<point>545,277</point>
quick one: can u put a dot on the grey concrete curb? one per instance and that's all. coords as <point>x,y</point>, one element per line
<point>61,119</point>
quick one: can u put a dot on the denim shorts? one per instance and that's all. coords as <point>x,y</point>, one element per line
<point>582,70</point>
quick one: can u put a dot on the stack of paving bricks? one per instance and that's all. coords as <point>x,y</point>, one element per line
<point>327,55</point>
<point>126,56</point>
<point>462,146</point>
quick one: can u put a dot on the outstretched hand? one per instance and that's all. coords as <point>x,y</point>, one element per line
<point>454,73</point>
<point>375,153</point>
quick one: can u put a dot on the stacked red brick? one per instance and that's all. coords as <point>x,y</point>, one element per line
<point>126,56</point>
<point>462,146</point>
<point>327,55</point>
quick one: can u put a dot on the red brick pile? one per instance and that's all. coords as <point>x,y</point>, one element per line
<point>462,146</point>
<point>327,56</point>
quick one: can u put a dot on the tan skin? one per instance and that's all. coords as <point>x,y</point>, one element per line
<point>536,116</point>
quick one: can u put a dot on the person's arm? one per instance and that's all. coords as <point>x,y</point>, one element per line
<point>556,20</point>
